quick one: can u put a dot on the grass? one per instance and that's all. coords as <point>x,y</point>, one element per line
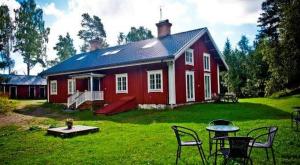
<point>145,136</point>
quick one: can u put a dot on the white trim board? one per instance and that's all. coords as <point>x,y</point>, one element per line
<point>112,67</point>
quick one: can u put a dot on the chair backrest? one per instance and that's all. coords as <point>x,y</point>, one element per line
<point>176,131</point>
<point>271,135</point>
<point>183,131</point>
<point>238,147</point>
<point>221,122</point>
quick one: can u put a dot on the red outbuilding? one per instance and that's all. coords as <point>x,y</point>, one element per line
<point>23,87</point>
<point>169,70</point>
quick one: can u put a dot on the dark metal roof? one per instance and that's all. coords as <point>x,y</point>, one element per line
<point>159,49</point>
<point>23,80</point>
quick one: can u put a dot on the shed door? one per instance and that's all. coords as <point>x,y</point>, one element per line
<point>13,92</point>
<point>42,92</point>
<point>31,92</point>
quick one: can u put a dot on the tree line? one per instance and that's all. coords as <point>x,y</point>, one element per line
<point>28,36</point>
<point>272,62</point>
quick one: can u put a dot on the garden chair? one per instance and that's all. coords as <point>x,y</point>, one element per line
<point>266,144</point>
<point>217,134</point>
<point>195,141</point>
<point>295,118</point>
<point>239,149</point>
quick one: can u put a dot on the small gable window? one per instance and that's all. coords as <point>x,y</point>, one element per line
<point>189,57</point>
<point>53,87</point>
<point>122,83</point>
<point>206,62</point>
<point>155,81</point>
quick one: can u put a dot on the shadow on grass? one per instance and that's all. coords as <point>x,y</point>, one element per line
<point>197,113</point>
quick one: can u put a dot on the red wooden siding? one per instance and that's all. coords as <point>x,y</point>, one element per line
<point>137,85</point>
<point>23,91</point>
<point>180,69</point>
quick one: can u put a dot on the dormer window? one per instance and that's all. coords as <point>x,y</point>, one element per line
<point>189,57</point>
<point>80,58</point>
<point>149,45</point>
<point>111,52</point>
<point>206,62</point>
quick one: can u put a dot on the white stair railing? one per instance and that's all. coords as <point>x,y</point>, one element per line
<point>88,96</point>
<point>72,98</point>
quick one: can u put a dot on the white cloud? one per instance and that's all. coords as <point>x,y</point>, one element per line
<point>232,12</point>
<point>51,9</point>
<point>119,15</point>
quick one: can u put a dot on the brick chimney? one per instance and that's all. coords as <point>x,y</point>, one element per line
<point>95,44</point>
<point>163,28</point>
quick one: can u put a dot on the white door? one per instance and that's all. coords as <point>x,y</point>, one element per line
<point>207,86</point>
<point>190,86</point>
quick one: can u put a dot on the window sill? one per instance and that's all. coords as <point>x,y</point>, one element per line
<point>155,91</point>
<point>121,92</point>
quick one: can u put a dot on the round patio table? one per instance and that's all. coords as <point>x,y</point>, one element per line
<point>223,128</point>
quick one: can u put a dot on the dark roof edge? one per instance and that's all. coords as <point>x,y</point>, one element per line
<point>118,65</point>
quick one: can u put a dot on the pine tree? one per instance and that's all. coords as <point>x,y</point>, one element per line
<point>31,34</point>
<point>135,34</point>
<point>93,29</point>
<point>64,47</point>
<point>6,30</point>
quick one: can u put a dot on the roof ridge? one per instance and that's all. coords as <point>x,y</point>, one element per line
<point>144,40</point>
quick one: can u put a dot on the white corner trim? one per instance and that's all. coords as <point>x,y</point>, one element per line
<point>149,72</point>
<point>53,92</point>
<point>120,76</point>
<point>218,78</point>
<point>172,85</point>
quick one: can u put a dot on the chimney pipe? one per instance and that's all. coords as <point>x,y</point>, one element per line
<point>95,44</point>
<point>163,28</point>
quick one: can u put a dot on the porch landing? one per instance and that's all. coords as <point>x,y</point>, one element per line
<point>76,130</point>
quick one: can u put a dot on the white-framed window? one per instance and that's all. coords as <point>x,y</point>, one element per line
<point>155,81</point>
<point>190,86</point>
<point>53,87</point>
<point>206,62</point>
<point>189,57</point>
<point>207,86</point>
<point>122,83</point>
<point>71,86</point>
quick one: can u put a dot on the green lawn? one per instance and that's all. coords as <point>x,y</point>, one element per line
<point>145,136</point>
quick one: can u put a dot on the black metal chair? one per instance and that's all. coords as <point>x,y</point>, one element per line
<point>218,134</point>
<point>195,141</point>
<point>295,118</point>
<point>239,149</point>
<point>266,143</point>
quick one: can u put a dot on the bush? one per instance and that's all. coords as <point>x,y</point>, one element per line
<point>286,92</point>
<point>6,105</point>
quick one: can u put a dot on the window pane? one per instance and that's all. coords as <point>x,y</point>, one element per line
<point>158,81</point>
<point>152,81</point>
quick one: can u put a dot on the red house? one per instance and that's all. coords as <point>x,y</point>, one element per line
<point>23,87</point>
<point>169,70</point>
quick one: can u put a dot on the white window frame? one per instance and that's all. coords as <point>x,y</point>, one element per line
<point>155,72</point>
<point>120,76</point>
<point>186,85</point>
<point>189,62</point>
<point>73,90</point>
<point>51,90</point>
<point>208,56</point>
<point>207,98</point>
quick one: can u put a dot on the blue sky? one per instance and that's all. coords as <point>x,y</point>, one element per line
<point>224,18</point>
